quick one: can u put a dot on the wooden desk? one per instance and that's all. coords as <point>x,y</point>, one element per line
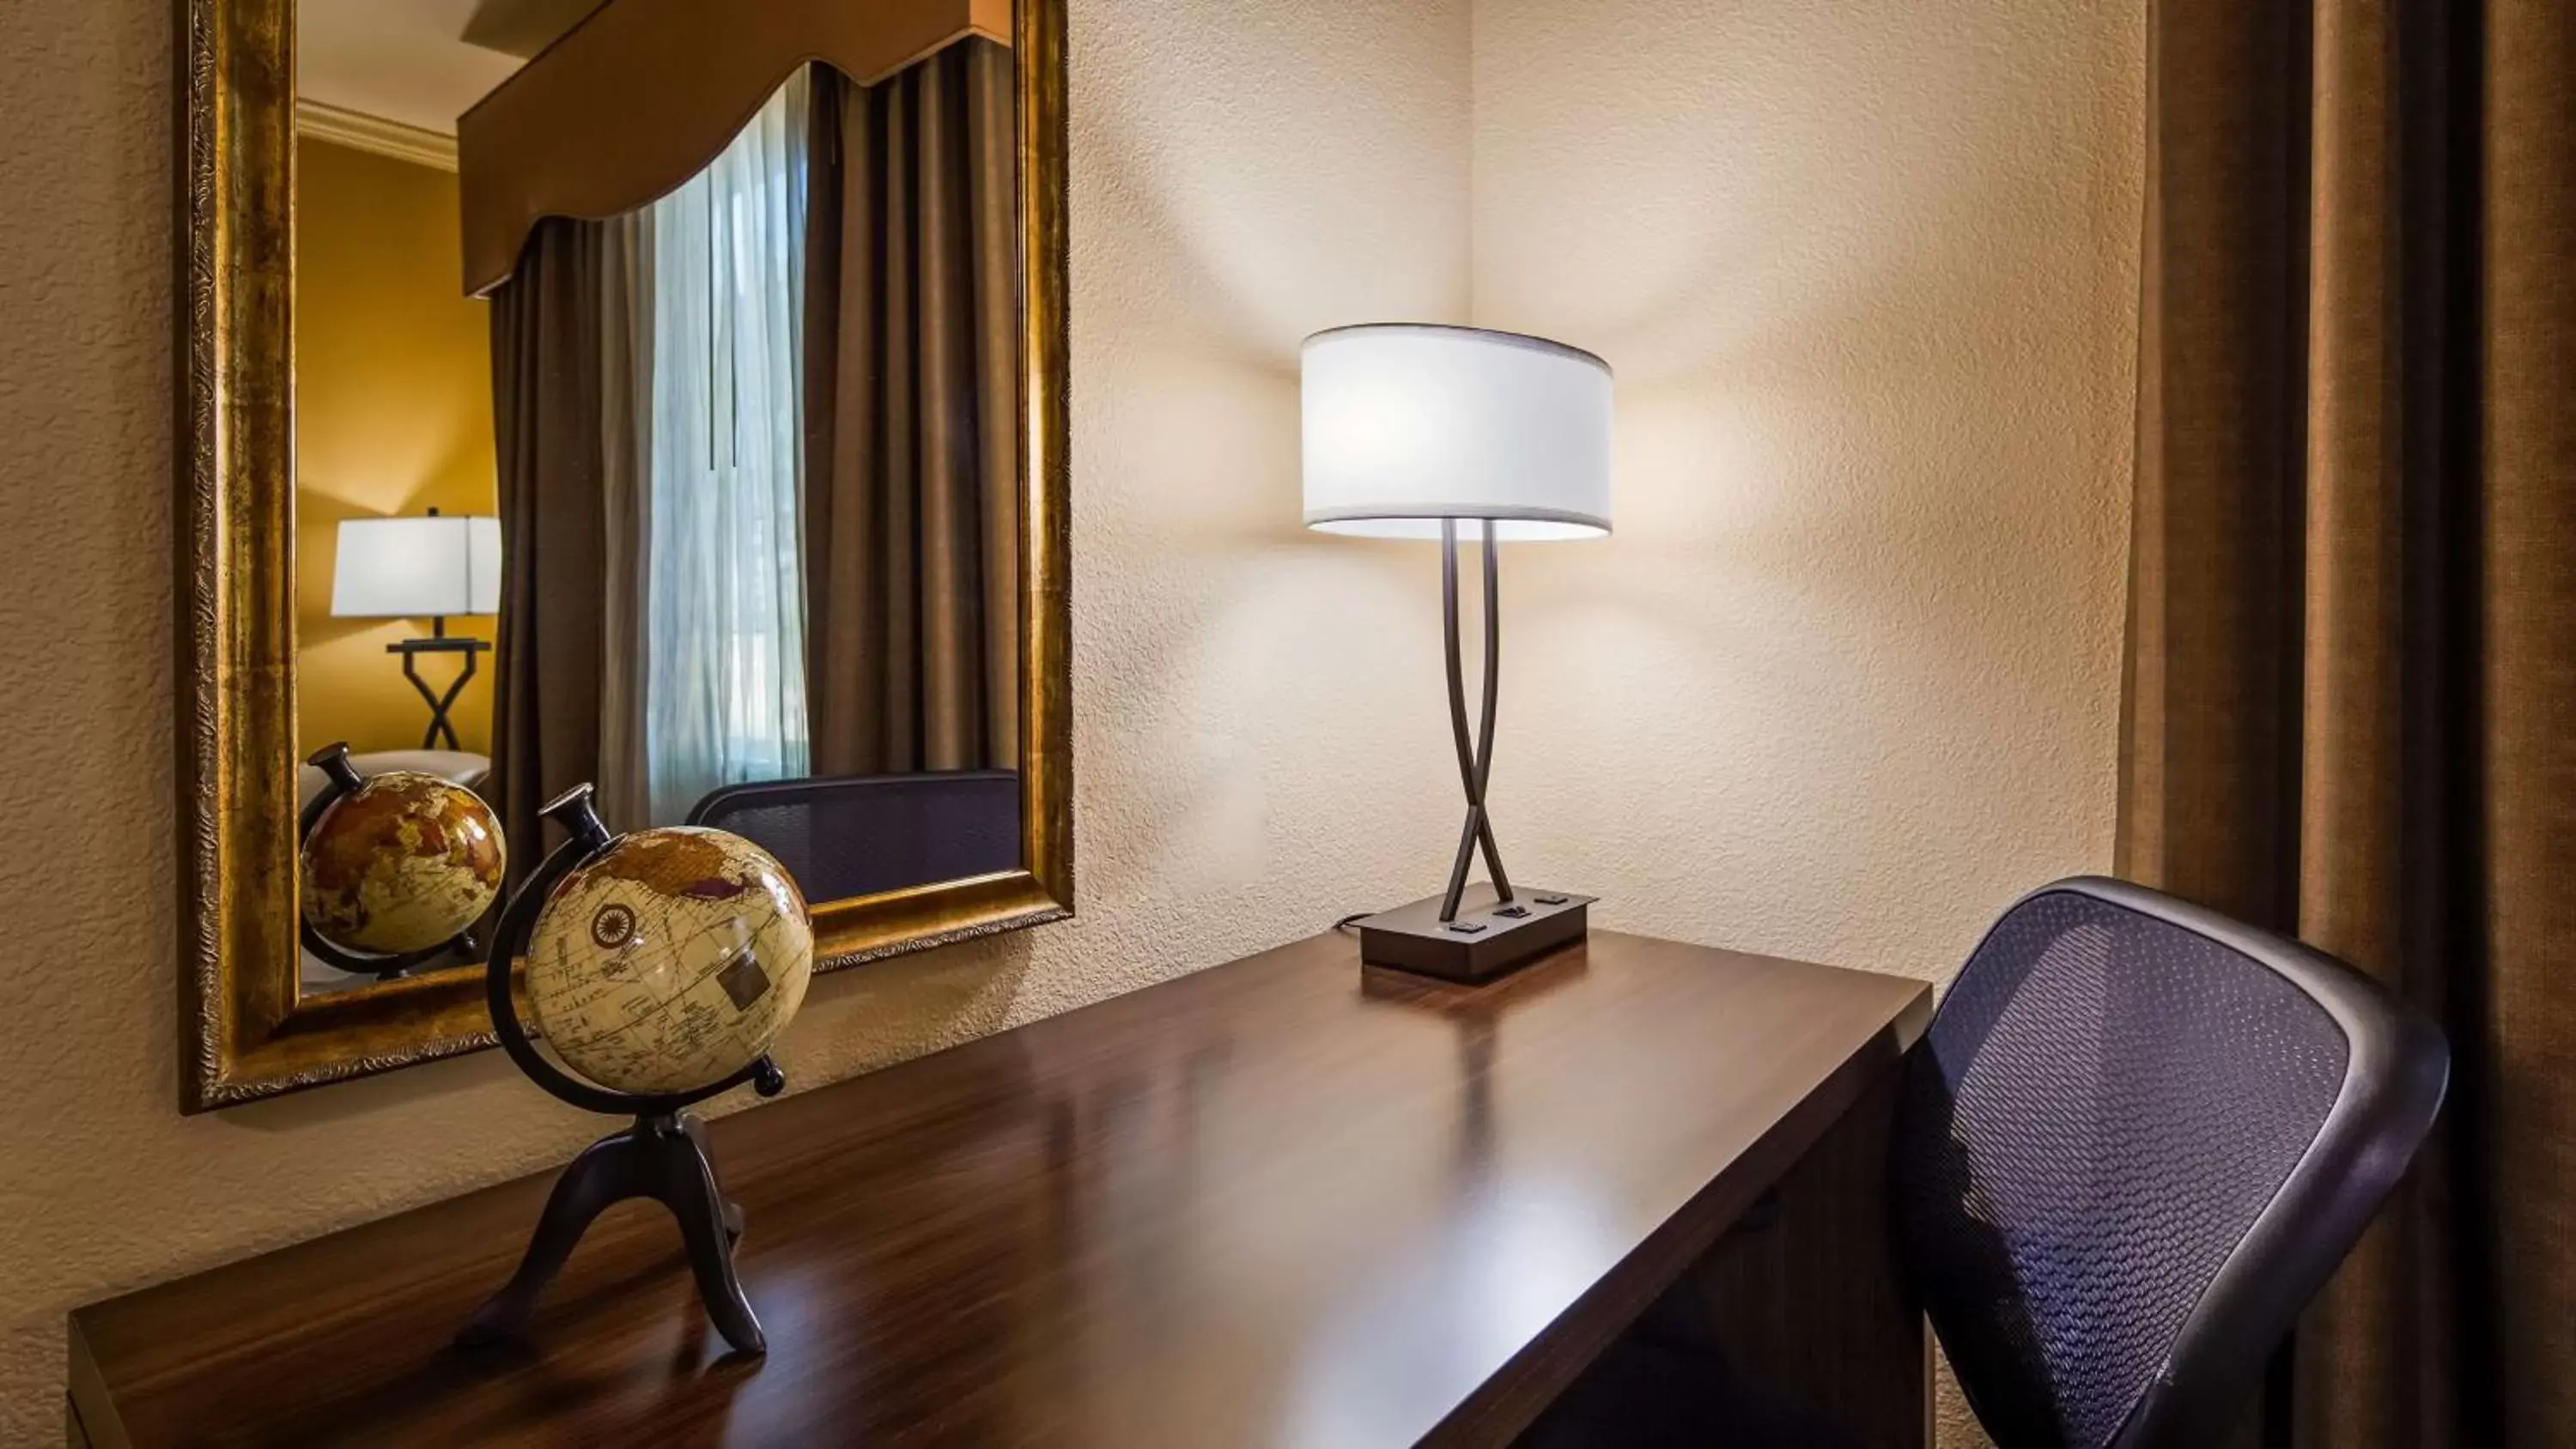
<point>1275,1202</point>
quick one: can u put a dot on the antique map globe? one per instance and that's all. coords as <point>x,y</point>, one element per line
<point>402,863</point>
<point>669,961</point>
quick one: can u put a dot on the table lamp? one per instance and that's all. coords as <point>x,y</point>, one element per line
<point>1411,431</point>
<point>414,568</point>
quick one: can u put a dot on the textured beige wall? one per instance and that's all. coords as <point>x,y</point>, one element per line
<point>1843,683</point>
<point>1846,679</point>
<point>1244,171</point>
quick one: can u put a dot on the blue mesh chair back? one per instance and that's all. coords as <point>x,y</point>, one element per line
<point>861,835</point>
<point>2137,1139</point>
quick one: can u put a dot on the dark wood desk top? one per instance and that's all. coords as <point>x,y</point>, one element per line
<point>1280,1201</point>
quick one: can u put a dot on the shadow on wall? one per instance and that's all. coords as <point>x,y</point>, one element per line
<point>1258,720</point>
<point>1869,283</point>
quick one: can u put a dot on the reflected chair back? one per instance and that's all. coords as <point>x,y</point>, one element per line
<point>863,835</point>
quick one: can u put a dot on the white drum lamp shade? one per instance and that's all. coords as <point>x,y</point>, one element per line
<point>417,568</point>
<point>1408,424</point>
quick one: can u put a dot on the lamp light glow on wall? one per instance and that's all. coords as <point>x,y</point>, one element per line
<point>1416,431</point>
<point>421,568</point>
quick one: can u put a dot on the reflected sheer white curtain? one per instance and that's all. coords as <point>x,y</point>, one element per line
<point>724,645</point>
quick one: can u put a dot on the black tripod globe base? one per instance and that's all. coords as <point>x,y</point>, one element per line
<point>665,1159</point>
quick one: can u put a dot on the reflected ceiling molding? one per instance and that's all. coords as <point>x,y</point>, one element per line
<point>342,126</point>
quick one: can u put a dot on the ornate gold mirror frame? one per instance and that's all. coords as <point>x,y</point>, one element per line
<point>245,1030</point>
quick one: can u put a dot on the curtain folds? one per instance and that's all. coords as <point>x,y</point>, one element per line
<point>626,442</point>
<point>648,416</point>
<point>912,419</point>
<point>556,324</point>
<point>762,438</point>
<point>2351,685</point>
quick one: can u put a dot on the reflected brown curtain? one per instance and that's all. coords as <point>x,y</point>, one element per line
<point>2351,688</point>
<point>912,419</point>
<point>625,434</point>
<point>561,326</point>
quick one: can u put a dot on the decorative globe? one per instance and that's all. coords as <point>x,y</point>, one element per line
<point>670,960</point>
<point>403,863</point>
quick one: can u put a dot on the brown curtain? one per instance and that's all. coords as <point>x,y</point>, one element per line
<point>560,328</point>
<point>2351,691</point>
<point>625,433</point>
<point>912,419</point>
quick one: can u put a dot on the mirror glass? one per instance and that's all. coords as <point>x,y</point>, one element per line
<point>714,501</point>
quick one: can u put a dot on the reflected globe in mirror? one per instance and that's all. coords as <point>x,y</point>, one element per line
<point>404,863</point>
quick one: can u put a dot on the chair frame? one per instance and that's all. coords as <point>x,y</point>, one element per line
<point>2395,1073</point>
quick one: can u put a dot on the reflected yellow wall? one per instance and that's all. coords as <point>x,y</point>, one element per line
<point>393,416</point>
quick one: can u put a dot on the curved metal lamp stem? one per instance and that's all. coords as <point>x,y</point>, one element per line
<point>1475,762</point>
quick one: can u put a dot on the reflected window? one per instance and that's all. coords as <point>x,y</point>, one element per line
<point>724,259</point>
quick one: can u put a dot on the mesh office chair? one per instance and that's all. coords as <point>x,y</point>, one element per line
<point>859,835</point>
<point>2134,1143</point>
<point>2137,1139</point>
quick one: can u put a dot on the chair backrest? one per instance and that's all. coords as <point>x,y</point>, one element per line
<point>2135,1142</point>
<point>860,835</point>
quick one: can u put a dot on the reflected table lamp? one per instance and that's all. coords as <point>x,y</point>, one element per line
<point>421,568</point>
<point>1414,431</point>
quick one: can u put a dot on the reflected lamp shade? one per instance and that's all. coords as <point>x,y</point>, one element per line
<point>417,568</point>
<point>1408,424</point>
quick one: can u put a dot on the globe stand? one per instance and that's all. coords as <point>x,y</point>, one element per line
<point>663,1156</point>
<point>342,777</point>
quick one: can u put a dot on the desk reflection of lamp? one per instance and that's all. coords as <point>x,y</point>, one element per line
<point>415,568</point>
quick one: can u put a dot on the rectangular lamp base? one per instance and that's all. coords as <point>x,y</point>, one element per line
<point>1488,939</point>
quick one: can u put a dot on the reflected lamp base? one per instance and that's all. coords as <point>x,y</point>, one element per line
<point>1488,939</point>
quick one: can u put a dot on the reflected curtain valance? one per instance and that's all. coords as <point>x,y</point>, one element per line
<point>642,94</point>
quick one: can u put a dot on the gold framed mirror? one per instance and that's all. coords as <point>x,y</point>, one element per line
<point>264,491</point>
